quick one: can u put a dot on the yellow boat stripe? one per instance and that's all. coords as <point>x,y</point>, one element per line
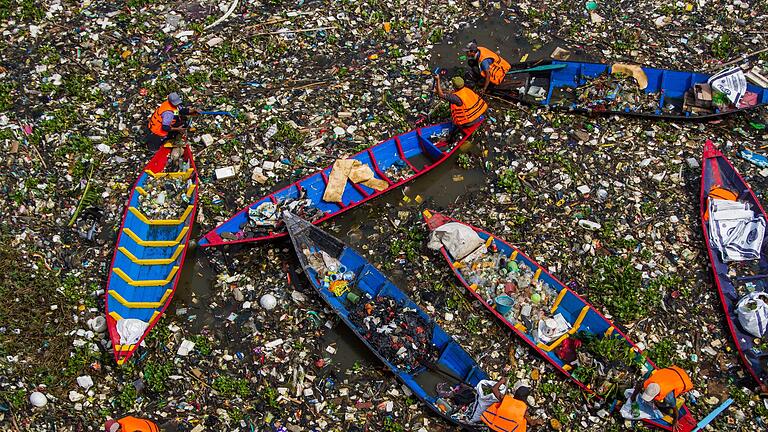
<point>489,241</point>
<point>115,315</point>
<point>146,283</point>
<point>513,256</point>
<point>141,190</point>
<point>178,174</point>
<point>558,300</point>
<point>577,324</point>
<point>136,212</point>
<point>554,344</point>
<point>156,243</point>
<point>151,261</point>
<point>191,189</point>
<point>537,274</point>
<point>427,214</point>
<point>609,331</point>
<point>140,305</point>
<point>574,329</point>
<point>521,327</point>
<point>120,361</point>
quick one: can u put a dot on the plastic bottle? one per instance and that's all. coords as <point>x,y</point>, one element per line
<point>590,225</point>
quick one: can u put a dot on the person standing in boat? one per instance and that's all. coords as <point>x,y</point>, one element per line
<point>491,67</point>
<point>168,121</point>
<point>664,387</point>
<point>510,412</point>
<point>467,108</point>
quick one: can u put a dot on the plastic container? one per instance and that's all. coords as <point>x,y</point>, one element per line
<point>504,304</point>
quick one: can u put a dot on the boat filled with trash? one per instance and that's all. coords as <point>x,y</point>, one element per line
<point>630,89</point>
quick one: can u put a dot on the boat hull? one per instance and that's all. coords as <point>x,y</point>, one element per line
<point>379,158</point>
<point>718,170</point>
<point>670,86</point>
<point>578,312</point>
<point>148,259</point>
<point>453,359</point>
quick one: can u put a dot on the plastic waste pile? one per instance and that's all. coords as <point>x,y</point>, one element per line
<point>494,276</point>
<point>264,218</point>
<point>615,92</point>
<point>399,334</point>
<point>166,197</point>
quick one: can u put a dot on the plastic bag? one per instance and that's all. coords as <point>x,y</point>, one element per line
<point>459,239</point>
<point>752,310</point>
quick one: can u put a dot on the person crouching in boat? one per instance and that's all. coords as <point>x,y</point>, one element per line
<point>665,387</point>
<point>510,411</point>
<point>491,67</point>
<point>467,108</point>
<point>131,424</point>
<point>168,121</point>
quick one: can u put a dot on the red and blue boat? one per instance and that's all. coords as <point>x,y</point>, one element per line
<point>735,279</point>
<point>149,253</point>
<point>581,316</point>
<point>405,157</point>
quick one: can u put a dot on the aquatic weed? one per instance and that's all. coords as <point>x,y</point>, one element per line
<point>464,161</point>
<point>156,375</point>
<point>619,286</point>
<point>127,397</point>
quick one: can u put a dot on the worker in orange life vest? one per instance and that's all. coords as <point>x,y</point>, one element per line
<point>664,387</point>
<point>168,121</point>
<point>467,108</point>
<point>510,413</point>
<point>131,424</point>
<point>491,67</point>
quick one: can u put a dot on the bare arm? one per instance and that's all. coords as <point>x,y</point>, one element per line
<point>636,391</point>
<point>487,81</point>
<point>496,388</point>
<point>438,88</point>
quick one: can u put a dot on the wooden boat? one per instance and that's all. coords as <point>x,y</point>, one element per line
<point>408,156</point>
<point>581,316</point>
<point>737,278</point>
<point>587,88</point>
<point>453,364</point>
<point>149,253</point>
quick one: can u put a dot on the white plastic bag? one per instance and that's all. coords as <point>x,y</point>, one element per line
<point>459,239</point>
<point>752,310</point>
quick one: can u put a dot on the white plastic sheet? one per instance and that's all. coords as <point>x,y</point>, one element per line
<point>459,239</point>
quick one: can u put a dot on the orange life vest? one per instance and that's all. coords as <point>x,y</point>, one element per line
<point>133,424</point>
<point>499,67</point>
<point>472,107</point>
<point>506,416</point>
<point>156,121</point>
<point>671,379</point>
<point>722,193</point>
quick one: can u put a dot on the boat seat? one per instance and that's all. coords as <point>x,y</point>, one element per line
<point>452,357</point>
<point>475,374</point>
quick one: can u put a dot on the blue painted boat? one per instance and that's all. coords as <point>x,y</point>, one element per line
<point>453,364</point>
<point>581,316</point>
<point>716,170</point>
<point>564,85</point>
<point>149,254</point>
<point>409,156</point>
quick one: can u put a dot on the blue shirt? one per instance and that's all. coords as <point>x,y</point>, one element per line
<point>485,64</point>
